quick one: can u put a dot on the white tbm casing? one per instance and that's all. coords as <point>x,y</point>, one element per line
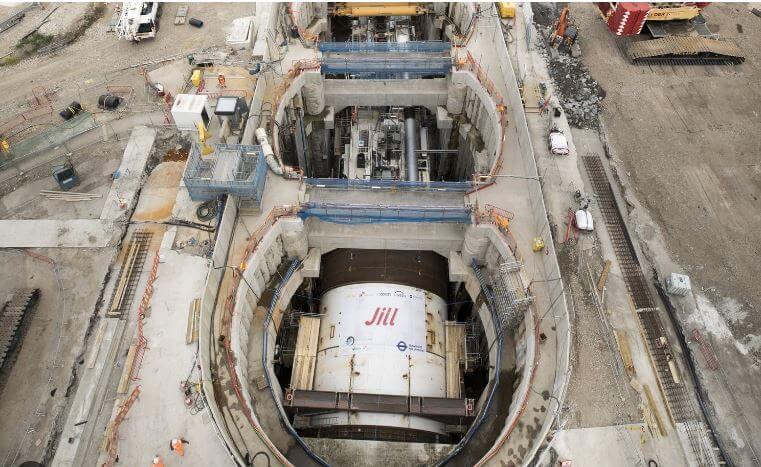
<point>379,338</point>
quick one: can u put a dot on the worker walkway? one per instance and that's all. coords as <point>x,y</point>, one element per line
<point>161,413</point>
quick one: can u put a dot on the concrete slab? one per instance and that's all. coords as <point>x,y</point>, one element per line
<point>48,233</point>
<point>160,413</point>
<point>157,197</point>
<point>172,76</point>
<point>130,171</point>
<point>607,445</point>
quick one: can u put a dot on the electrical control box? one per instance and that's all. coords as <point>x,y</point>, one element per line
<point>190,109</point>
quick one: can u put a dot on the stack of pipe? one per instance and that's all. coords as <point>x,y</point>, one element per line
<point>69,195</point>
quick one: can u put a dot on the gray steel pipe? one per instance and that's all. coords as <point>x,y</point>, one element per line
<point>410,143</point>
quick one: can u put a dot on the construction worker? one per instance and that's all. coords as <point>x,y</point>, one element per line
<point>221,80</point>
<point>157,462</point>
<point>178,445</point>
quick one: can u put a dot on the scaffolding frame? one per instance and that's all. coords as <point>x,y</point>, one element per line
<point>510,296</point>
<point>231,169</point>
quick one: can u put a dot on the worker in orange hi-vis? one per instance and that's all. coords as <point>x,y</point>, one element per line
<point>178,445</point>
<point>221,80</point>
<point>157,462</point>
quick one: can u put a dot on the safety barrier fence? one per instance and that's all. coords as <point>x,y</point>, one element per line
<point>239,170</point>
<point>501,219</point>
<point>396,185</point>
<point>229,306</point>
<point>368,67</point>
<point>145,303</point>
<point>386,47</point>
<point>370,214</point>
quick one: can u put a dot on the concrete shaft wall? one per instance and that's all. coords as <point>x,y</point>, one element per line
<point>461,94</point>
<point>553,283</point>
<point>468,98</point>
<point>290,237</point>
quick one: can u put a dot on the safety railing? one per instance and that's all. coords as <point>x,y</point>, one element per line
<point>400,185</point>
<point>370,214</point>
<point>386,47</point>
<point>239,170</point>
<point>358,64</point>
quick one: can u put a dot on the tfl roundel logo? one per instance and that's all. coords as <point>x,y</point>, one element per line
<point>402,346</point>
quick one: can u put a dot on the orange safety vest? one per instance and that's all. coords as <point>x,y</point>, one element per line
<point>158,462</point>
<point>178,447</point>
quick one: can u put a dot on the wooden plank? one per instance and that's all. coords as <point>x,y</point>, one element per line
<point>305,356</point>
<point>626,354</point>
<point>654,410</point>
<point>96,346</point>
<point>191,334</point>
<point>454,355</point>
<point>124,381</point>
<point>604,276</point>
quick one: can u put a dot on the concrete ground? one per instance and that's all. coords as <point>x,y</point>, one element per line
<point>161,413</point>
<point>683,142</point>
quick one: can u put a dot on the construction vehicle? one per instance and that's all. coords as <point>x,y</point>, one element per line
<point>675,33</point>
<point>138,20</point>
<point>65,175</point>
<point>563,34</point>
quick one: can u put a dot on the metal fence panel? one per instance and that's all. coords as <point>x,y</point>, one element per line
<point>401,185</point>
<point>371,214</point>
<point>358,64</point>
<point>386,47</point>
<point>244,175</point>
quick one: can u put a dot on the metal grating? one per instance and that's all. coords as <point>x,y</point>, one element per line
<point>622,244</point>
<point>14,320</point>
<point>141,239</point>
<point>678,401</point>
<point>510,296</point>
<point>386,47</point>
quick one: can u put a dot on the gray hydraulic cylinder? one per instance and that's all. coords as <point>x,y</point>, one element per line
<point>410,143</point>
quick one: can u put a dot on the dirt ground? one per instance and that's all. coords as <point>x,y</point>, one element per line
<point>36,394</point>
<point>98,55</point>
<point>37,388</point>
<point>94,167</point>
<point>684,142</point>
<point>594,381</point>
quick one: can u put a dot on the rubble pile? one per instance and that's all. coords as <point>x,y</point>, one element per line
<point>578,93</point>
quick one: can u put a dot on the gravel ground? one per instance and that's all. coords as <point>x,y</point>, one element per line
<point>99,55</point>
<point>578,93</point>
<point>594,382</point>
